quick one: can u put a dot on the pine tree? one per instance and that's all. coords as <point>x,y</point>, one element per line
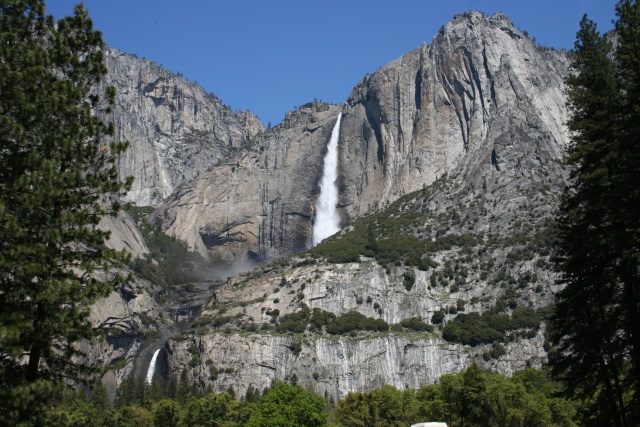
<point>627,214</point>
<point>596,317</point>
<point>58,177</point>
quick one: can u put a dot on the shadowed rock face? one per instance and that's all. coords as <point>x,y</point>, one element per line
<point>481,101</point>
<point>177,131</point>
<point>259,203</point>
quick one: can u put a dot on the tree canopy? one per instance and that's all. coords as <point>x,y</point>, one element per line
<point>597,314</point>
<point>288,406</point>
<point>58,178</point>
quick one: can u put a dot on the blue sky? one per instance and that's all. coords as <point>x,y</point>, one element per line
<point>269,56</point>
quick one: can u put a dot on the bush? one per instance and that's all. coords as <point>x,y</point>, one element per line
<point>437,317</point>
<point>296,347</point>
<point>320,318</point>
<point>491,326</point>
<point>416,324</point>
<point>294,322</point>
<point>525,317</point>
<point>408,279</point>
<point>273,313</point>
<point>354,321</point>
<point>470,329</point>
<point>497,350</point>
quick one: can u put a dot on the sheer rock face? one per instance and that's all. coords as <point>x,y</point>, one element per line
<point>132,316</point>
<point>340,365</point>
<point>124,235</point>
<point>481,102</point>
<point>334,365</point>
<point>176,130</point>
<point>258,204</point>
<point>481,105</point>
<point>480,99</point>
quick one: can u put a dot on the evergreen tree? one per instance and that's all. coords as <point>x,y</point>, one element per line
<point>126,392</point>
<point>252,395</point>
<point>596,318</point>
<point>166,413</point>
<point>288,406</point>
<point>58,177</point>
<point>627,214</point>
<point>184,387</point>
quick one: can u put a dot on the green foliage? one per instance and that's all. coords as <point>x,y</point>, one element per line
<point>384,236</point>
<point>354,321</point>
<point>485,328</point>
<point>289,406</point>
<point>471,397</point>
<point>208,410</point>
<point>296,347</point>
<point>294,322</point>
<point>58,177</point>
<point>169,261</point>
<point>596,320</point>
<point>408,279</point>
<point>437,317</point>
<point>416,324</point>
<point>320,319</point>
<point>166,413</point>
<point>497,350</point>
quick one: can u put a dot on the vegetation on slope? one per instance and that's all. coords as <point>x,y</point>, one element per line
<point>169,261</point>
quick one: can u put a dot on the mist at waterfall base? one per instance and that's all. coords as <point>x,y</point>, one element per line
<point>152,367</point>
<point>327,221</point>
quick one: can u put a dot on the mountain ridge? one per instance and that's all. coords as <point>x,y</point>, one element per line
<point>450,168</point>
<point>425,114</point>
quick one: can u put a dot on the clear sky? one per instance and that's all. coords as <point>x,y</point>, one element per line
<point>270,56</point>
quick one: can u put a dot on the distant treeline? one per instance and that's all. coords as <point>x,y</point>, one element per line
<point>470,398</point>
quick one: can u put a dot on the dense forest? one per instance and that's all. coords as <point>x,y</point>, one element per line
<point>58,177</point>
<point>472,397</point>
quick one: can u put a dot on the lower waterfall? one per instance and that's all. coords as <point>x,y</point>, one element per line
<point>327,221</point>
<point>152,367</point>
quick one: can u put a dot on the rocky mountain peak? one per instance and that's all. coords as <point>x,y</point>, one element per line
<point>447,106</point>
<point>449,170</point>
<point>481,101</point>
<point>176,129</point>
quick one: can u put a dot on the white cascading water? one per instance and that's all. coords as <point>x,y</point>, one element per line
<point>152,367</point>
<point>327,221</point>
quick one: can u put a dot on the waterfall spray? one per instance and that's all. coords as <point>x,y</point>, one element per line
<point>152,366</point>
<point>327,221</point>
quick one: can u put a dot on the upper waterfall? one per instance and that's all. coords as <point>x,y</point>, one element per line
<point>327,221</point>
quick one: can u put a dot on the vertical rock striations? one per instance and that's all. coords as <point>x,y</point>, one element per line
<point>481,98</point>
<point>177,131</point>
<point>258,204</point>
<point>481,102</point>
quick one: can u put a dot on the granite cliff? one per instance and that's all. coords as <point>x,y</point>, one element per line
<point>450,170</point>
<point>177,131</point>
<point>481,101</point>
<point>259,204</point>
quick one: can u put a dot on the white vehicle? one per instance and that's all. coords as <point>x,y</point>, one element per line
<point>429,425</point>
